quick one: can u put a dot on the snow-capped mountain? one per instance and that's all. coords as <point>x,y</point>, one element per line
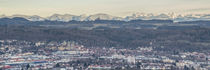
<point>135,16</point>
<point>103,17</point>
<point>170,16</point>
<point>150,16</point>
<point>80,18</point>
<point>68,17</point>
<point>192,17</point>
<point>58,17</point>
<point>30,18</point>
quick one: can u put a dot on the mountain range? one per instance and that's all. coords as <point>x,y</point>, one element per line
<point>135,16</point>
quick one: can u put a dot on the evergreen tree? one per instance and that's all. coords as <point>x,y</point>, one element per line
<point>27,67</point>
<point>57,65</point>
<point>186,68</point>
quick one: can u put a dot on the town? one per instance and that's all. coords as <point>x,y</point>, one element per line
<point>70,55</point>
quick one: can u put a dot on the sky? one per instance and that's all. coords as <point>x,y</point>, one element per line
<point>112,7</point>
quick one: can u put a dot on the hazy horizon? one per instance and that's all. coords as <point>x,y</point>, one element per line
<point>119,8</point>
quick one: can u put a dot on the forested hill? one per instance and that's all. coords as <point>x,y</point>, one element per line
<point>192,39</point>
<point>164,36</point>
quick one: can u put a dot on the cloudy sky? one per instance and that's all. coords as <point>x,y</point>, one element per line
<point>113,7</point>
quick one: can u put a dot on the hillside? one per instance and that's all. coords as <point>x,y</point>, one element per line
<point>190,39</point>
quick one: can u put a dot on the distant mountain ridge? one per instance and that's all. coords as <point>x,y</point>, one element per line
<point>135,16</point>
